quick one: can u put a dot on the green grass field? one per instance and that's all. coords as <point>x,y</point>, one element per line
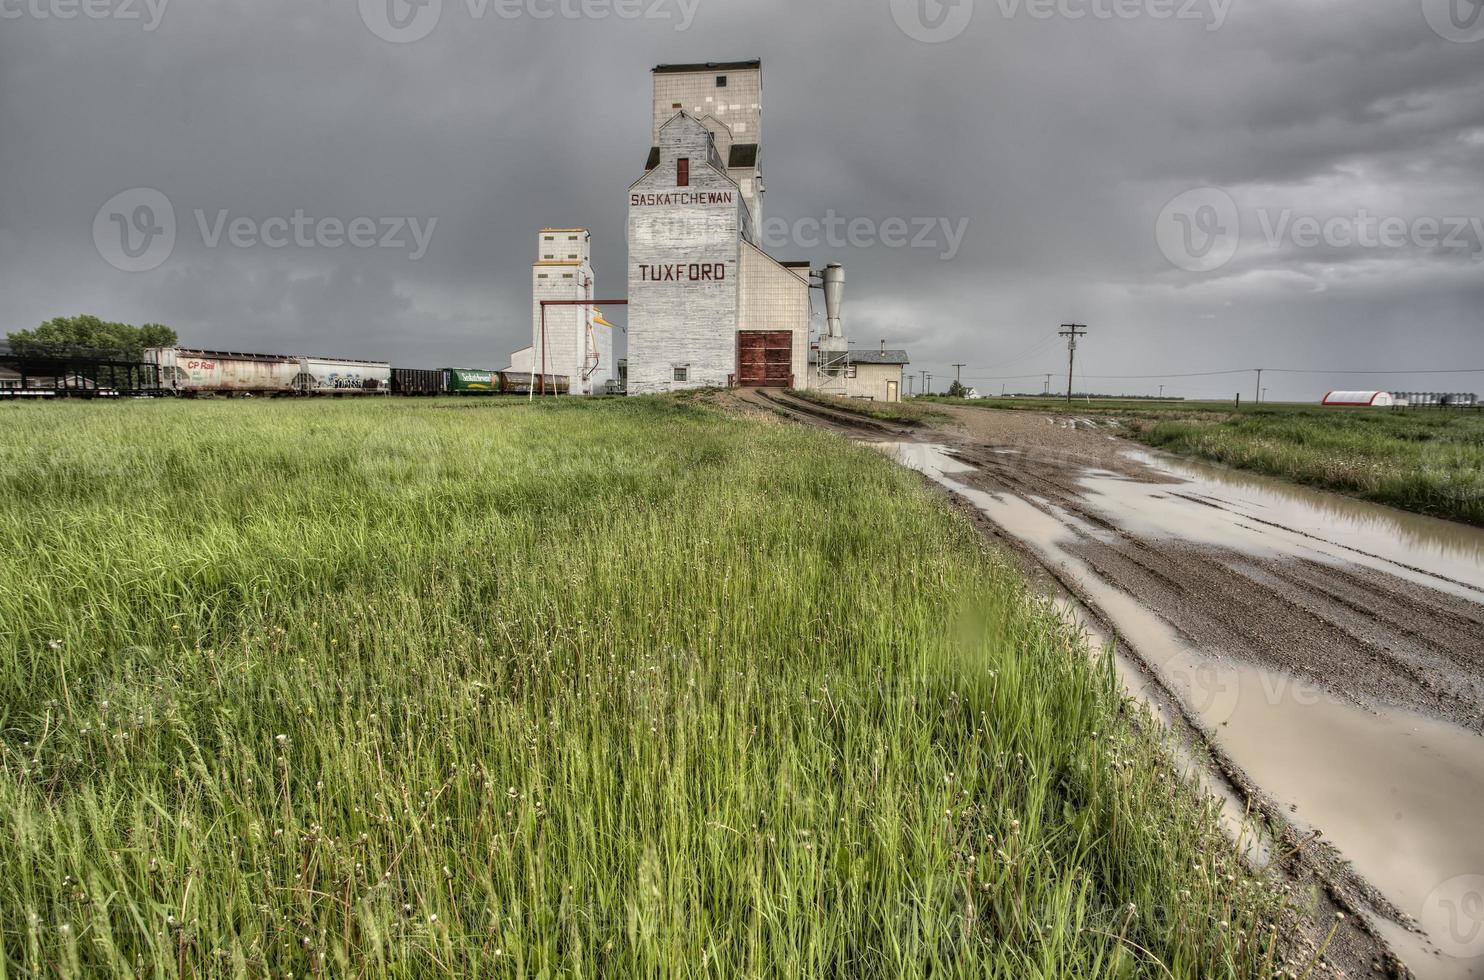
<point>1423,460</point>
<point>621,689</point>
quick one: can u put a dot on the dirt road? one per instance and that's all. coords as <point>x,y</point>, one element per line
<point>1251,569</point>
<point>1329,652</point>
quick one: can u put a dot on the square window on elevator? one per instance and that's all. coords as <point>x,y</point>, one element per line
<point>721,81</point>
<point>682,374</point>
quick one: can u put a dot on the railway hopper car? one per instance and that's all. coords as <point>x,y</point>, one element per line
<point>183,371</point>
<point>338,376</point>
<point>519,383</point>
<point>472,381</point>
<point>414,382</point>
<point>188,372</point>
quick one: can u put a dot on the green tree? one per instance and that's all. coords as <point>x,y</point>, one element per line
<point>958,390</point>
<point>89,333</point>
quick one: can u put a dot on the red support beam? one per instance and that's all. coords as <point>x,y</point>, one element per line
<point>565,302</point>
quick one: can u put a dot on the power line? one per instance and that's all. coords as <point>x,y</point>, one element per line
<point>1389,371</point>
<point>1040,345</point>
<point>1116,377</point>
<point>1146,377</point>
<point>1012,377</point>
<point>1218,374</point>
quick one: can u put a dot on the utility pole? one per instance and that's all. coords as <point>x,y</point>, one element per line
<point>1259,384</point>
<point>1047,389</point>
<point>924,374</point>
<point>958,373</point>
<point>1072,331</point>
<point>1161,392</point>
<point>928,385</point>
<point>910,379</point>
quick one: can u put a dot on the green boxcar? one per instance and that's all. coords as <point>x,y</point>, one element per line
<point>462,381</point>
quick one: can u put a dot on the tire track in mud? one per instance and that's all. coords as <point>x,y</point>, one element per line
<point>1218,505</point>
<point>1389,641</point>
<point>1312,867</point>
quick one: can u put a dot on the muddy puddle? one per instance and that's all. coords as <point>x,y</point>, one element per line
<point>1218,506</point>
<point>1399,794</point>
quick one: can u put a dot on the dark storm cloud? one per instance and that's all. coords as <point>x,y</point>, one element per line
<point>1053,143</point>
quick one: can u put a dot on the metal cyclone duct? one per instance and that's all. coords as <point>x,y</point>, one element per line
<point>834,296</point>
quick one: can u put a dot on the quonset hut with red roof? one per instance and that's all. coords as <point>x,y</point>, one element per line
<point>1359,399</point>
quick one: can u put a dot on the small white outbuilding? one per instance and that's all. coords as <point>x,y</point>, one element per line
<point>1359,399</point>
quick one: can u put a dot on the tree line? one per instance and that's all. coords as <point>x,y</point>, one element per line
<point>80,334</point>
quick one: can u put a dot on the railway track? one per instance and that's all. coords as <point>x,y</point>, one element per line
<point>799,410</point>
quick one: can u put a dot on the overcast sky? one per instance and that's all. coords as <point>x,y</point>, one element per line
<point>1335,149</point>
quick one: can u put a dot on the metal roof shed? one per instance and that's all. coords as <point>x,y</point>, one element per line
<point>1359,399</point>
